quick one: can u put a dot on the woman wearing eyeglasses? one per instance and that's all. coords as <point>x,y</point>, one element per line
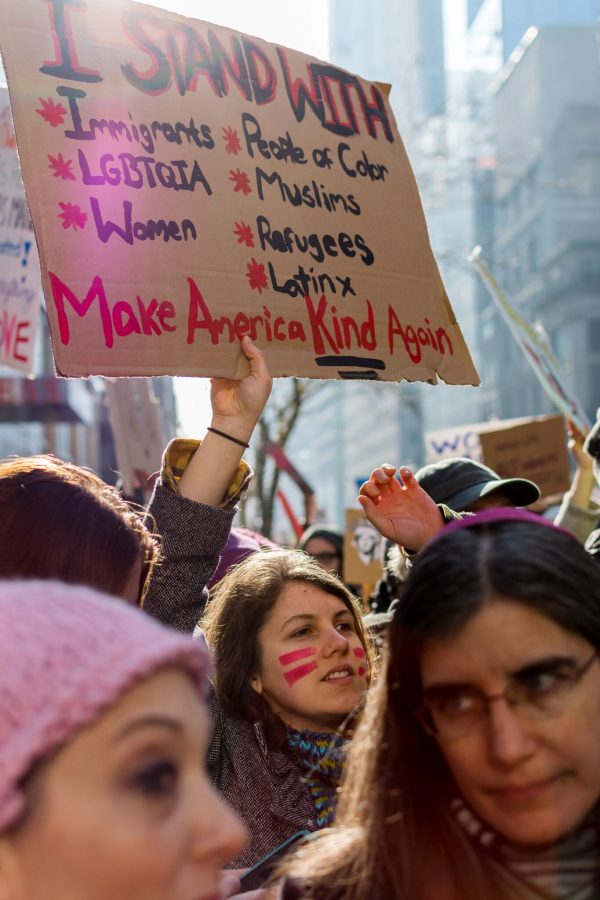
<point>325,543</point>
<point>475,772</point>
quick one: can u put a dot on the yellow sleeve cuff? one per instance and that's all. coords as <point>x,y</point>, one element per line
<point>176,458</point>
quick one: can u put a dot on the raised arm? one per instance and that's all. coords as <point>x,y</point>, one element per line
<point>236,408</point>
<point>400,510</point>
<point>578,512</point>
<point>196,495</point>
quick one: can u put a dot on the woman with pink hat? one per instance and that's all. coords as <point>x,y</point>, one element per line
<point>103,729</point>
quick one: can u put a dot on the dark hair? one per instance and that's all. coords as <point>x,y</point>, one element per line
<point>399,836</point>
<point>238,610</point>
<point>63,522</point>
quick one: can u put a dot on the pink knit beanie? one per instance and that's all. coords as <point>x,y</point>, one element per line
<point>66,654</point>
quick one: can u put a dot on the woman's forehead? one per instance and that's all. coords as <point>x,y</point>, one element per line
<point>320,544</point>
<point>501,638</point>
<point>303,598</point>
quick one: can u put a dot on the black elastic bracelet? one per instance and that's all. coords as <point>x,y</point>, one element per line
<point>229,437</point>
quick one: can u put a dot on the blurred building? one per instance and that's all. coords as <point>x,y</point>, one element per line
<point>506,21</point>
<point>546,223</point>
<point>400,42</point>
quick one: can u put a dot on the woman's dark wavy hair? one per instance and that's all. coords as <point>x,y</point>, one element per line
<point>395,834</point>
<point>60,521</point>
<point>239,608</point>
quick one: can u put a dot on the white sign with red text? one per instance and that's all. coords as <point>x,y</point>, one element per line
<point>20,280</point>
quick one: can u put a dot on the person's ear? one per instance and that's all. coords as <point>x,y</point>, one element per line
<point>255,683</point>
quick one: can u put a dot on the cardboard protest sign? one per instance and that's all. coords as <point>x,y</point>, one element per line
<point>533,448</point>
<point>535,350</point>
<point>363,549</point>
<point>458,440</point>
<point>189,185</point>
<point>134,415</point>
<point>536,450</point>
<point>20,284</point>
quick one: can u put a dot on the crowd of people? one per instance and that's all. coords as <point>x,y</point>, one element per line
<point>190,713</point>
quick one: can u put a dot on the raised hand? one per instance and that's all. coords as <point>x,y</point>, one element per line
<point>238,404</point>
<point>401,511</point>
<point>575,445</point>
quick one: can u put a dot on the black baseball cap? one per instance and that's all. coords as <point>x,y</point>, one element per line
<point>459,482</point>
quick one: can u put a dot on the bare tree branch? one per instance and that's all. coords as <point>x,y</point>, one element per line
<point>276,424</point>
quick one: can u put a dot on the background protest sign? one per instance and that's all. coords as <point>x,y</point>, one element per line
<point>135,421</point>
<point>20,285</point>
<point>536,351</point>
<point>363,550</point>
<point>458,440</point>
<point>533,448</point>
<point>189,184</point>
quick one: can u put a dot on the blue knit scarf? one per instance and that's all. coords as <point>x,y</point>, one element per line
<point>320,756</point>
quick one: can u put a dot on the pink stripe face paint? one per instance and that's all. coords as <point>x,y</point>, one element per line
<point>294,675</point>
<point>299,672</point>
<point>359,652</point>
<point>295,655</point>
<point>361,671</point>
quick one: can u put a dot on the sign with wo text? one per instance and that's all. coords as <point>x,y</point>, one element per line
<point>534,447</point>
<point>189,184</point>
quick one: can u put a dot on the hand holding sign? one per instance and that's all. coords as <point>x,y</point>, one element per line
<point>402,512</point>
<point>237,405</point>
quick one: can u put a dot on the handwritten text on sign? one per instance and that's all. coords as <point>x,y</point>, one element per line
<point>20,288</point>
<point>190,185</point>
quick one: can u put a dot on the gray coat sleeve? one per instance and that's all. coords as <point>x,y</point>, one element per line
<point>192,538</point>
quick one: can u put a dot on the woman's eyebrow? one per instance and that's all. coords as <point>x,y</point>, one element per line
<point>342,612</point>
<point>149,721</point>
<point>441,687</point>
<point>545,663</point>
<point>304,617</point>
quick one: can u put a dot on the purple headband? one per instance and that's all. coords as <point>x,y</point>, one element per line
<point>500,514</point>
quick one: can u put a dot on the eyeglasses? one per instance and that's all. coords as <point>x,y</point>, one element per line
<point>539,691</point>
<point>325,557</point>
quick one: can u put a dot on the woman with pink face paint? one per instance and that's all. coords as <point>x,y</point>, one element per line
<point>291,667</point>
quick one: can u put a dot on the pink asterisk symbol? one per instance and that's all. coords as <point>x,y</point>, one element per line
<point>72,216</point>
<point>232,141</point>
<point>62,167</point>
<point>244,233</point>
<point>256,275</point>
<point>51,112</point>
<point>241,181</point>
